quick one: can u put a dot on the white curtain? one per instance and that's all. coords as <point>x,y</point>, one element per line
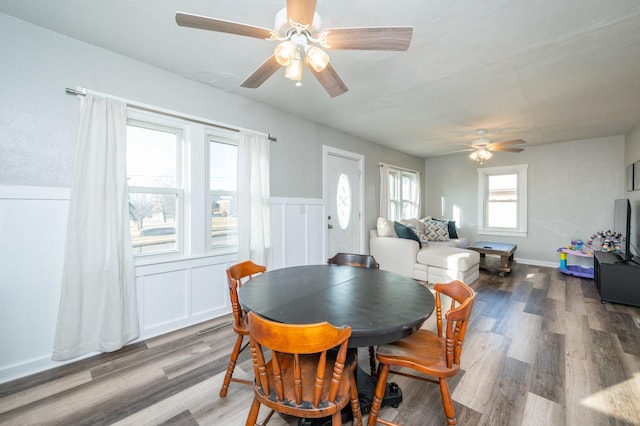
<point>384,191</point>
<point>98,310</point>
<point>417,208</point>
<point>254,198</point>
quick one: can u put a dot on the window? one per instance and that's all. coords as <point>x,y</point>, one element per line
<point>155,187</point>
<point>182,178</point>
<point>403,193</point>
<point>343,201</point>
<point>223,186</point>
<point>503,201</point>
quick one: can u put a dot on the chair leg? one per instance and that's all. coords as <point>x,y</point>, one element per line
<point>252,418</point>
<point>336,419</point>
<point>447,403</point>
<point>355,402</point>
<point>231,366</point>
<point>372,361</point>
<point>381,387</point>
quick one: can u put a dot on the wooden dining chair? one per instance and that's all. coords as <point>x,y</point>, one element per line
<point>360,261</point>
<point>428,353</point>
<point>235,276</point>
<point>302,370</point>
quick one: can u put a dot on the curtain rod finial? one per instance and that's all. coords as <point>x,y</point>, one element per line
<point>80,92</point>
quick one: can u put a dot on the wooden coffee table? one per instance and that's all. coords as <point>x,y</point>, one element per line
<point>504,250</point>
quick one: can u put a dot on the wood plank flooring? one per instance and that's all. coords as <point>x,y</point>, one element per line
<point>541,350</point>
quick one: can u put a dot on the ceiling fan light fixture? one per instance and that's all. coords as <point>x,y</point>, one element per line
<point>294,70</point>
<point>285,53</point>
<point>316,58</point>
<point>480,155</point>
<point>484,154</point>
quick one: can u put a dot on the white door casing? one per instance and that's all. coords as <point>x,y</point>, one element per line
<point>343,200</point>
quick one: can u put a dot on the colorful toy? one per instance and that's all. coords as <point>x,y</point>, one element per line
<point>606,241</point>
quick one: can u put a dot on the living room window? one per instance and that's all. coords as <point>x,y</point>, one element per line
<point>399,192</point>
<point>155,186</point>
<point>502,195</point>
<point>182,178</point>
<point>223,187</point>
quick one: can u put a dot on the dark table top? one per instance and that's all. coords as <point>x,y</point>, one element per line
<point>380,306</point>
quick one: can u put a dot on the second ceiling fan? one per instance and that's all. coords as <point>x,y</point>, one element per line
<point>481,148</point>
<point>301,41</point>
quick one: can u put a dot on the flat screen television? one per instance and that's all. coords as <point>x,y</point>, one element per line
<point>622,225</point>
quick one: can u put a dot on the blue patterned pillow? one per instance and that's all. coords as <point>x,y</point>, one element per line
<point>404,231</point>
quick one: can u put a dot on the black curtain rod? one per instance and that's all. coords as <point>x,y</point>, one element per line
<point>83,92</point>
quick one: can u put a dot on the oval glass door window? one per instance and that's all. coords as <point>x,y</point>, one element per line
<point>343,201</point>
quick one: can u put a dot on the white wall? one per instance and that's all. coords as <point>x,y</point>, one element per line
<point>571,188</point>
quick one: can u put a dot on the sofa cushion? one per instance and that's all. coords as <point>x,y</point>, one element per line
<point>439,275</point>
<point>385,228</point>
<point>451,258</point>
<point>403,231</point>
<point>418,227</point>
<point>436,230</point>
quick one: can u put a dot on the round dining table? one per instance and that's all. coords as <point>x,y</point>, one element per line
<point>379,306</point>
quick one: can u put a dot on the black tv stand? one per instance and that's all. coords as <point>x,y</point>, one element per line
<point>617,280</point>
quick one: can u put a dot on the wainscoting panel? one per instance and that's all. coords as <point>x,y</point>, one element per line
<point>297,232</point>
<point>209,290</point>
<point>316,233</point>
<point>165,299</point>
<point>33,223</point>
<point>277,235</point>
<point>296,235</point>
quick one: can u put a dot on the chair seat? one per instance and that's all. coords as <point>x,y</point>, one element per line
<point>308,364</point>
<point>421,351</point>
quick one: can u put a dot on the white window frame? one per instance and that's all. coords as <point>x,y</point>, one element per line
<point>157,122</point>
<point>483,174</point>
<point>230,138</point>
<point>394,205</point>
<point>193,221</point>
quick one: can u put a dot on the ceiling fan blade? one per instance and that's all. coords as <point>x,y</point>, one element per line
<point>301,11</point>
<point>222,26</point>
<point>369,38</point>
<point>470,145</point>
<point>454,152</point>
<point>511,142</point>
<point>505,149</point>
<point>261,74</point>
<point>330,80</point>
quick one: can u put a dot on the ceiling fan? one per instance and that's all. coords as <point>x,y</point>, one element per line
<point>298,31</point>
<point>481,148</point>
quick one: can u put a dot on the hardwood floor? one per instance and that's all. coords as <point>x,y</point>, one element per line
<point>541,350</point>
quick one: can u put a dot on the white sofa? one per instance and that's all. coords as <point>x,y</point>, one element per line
<point>439,261</point>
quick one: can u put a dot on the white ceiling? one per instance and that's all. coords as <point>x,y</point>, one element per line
<point>541,70</point>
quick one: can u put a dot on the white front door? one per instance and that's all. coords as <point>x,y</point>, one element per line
<point>343,201</point>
